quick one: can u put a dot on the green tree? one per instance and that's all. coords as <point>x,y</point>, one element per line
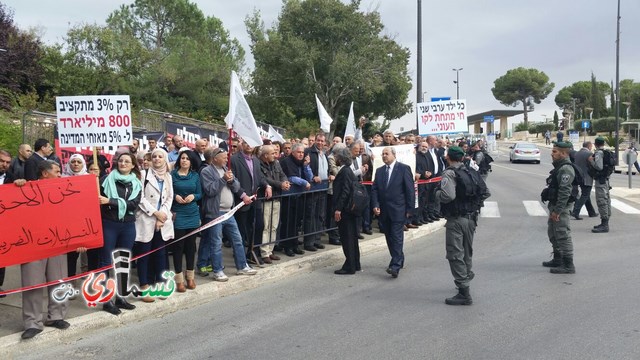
<point>331,49</point>
<point>556,120</point>
<point>519,85</point>
<point>20,70</point>
<point>584,94</point>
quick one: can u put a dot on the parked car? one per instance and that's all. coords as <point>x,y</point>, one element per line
<point>524,151</point>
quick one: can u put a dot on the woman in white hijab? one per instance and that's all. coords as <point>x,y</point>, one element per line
<point>154,225</point>
<point>74,167</point>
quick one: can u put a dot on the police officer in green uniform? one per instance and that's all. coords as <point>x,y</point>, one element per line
<point>558,194</point>
<point>462,218</point>
<point>602,187</point>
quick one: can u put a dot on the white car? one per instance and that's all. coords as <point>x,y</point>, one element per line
<point>524,151</point>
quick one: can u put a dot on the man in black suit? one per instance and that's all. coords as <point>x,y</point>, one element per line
<point>393,201</point>
<point>42,150</point>
<point>435,166</point>
<point>246,167</point>
<point>581,159</point>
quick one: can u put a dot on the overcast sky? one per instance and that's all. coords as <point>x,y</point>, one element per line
<point>567,39</point>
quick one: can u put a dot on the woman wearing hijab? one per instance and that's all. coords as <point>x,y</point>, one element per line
<point>154,225</point>
<point>187,191</point>
<point>76,166</point>
<point>119,198</point>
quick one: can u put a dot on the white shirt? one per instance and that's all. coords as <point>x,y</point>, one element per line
<point>432,151</point>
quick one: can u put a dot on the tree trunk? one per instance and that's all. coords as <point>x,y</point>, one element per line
<point>526,116</point>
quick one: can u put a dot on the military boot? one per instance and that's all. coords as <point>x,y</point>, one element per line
<point>557,260</point>
<point>461,298</point>
<point>566,268</point>
<point>602,228</point>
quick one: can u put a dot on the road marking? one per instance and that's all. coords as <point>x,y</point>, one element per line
<point>521,171</point>
<point>535,208</point>
<point>490,210</point>
<point>624,207</point>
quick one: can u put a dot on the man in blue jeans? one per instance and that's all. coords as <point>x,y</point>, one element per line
<point>218,187</point>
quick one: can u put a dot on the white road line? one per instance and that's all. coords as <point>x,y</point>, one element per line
<point>535,208</point>
<point>490,210</point>
<point>624,207</point>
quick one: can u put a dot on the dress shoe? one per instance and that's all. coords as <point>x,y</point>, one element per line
<point>111,308</point>
<point>58,324</point>
<point>343,272</point>
<point>267,260</point>
<point>122,303</point>
<point>405,228</point>
<point>274,257</point>
<point>289,252</point>
<point>30,332</point>
<point>277,248</point>
<point>594,215</point>
<point>418,224</point>
<point>361,237</point>
<point>576,216</point>
<point>335,242</point>
<point>411,226</point>
<point>318,246</point>
<point>426,221</point>
<point>393,273</point>
<point>298,251</point>
<point>310,248</point>
<point>368,232</point>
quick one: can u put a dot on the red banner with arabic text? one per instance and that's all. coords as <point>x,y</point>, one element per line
<point>46,218</point>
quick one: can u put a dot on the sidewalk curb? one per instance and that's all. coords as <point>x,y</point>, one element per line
<point>12,345</point>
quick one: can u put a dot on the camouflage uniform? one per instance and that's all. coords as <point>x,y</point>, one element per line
<point>602,188</point>
<point>560,232</point>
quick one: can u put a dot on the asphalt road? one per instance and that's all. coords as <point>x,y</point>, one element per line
<point>520,310</point>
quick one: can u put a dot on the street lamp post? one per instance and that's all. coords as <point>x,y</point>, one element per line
<point>457,82</point>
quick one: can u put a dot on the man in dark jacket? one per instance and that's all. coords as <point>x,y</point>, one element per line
<point>275,177</point>
<point>296,168</point>
<point>315,202</point>
<point>43,150</point>
<point>246,168</point>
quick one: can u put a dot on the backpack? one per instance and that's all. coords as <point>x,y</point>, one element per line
<point>484,165</point>
<point>550,193</point>
<point>608,165</point>
<point>359,199</point>
<point>471,192</point>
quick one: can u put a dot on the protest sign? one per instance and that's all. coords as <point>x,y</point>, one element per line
<point>405,154</point>
<point>46,218</point>
<point>442,117</point>
<point>94,120</point>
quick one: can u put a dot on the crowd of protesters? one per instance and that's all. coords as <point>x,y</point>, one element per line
<point>149,198</point>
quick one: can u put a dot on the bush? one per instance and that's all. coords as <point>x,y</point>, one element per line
<point>11,135</point>
<point>521,127</point>
<point>607,124</point>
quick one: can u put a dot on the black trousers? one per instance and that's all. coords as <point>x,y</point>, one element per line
<point>347,227</point>
<point>186,246</point>
<point>290,217</point>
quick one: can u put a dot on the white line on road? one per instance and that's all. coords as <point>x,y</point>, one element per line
<point>490,210</point>
<point>534,208</point>
<point>624,207</point>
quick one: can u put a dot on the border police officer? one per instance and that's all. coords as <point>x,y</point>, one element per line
<point>558,193</point>
<point>461,213</point>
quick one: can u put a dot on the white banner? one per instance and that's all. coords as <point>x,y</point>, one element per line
<point>240,118</point>
<point>405,154</point>
<point>274,135</point>
<point>350,129</point>
<point>94,120</point>
<point>442,117</point>
<point>325,119</point>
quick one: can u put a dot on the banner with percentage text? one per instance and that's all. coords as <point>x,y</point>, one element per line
<point>46,218</point>
<point>94,120</point>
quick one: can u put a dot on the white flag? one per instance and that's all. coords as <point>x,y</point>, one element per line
<point>274,135</point>
<point>350,129</point>
<point>325,119</point>
<point>240,118</point>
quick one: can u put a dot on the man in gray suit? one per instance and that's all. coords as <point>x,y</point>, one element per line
<point>582,162</point>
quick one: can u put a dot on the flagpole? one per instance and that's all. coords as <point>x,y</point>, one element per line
<point>229,147</point>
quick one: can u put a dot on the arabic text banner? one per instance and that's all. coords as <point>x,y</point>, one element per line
<point>46,218</point>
